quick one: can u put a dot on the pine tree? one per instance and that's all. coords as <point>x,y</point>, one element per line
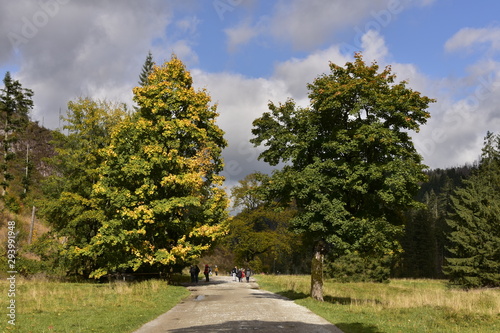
<point>147,68</point>
<point>475,224</point>
<point>15,105</point>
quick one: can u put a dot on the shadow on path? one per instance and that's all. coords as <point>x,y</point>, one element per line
<point>261,326</point>
<point>202,283</point>
<point>358,328</point>
<point>329,299</point>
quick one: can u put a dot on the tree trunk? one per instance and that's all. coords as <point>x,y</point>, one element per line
<point>5,152</point>
<point>32,226</point>
<point>317,272</point>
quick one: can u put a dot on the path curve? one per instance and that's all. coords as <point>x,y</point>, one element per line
<point>223,305</point>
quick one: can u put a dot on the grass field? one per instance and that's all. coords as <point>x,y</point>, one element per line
<point>44,306</point>
<point>399,306</point>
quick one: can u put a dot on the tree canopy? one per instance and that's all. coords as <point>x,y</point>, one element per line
<point>259,236</point>
<point>69,205</point>
<point>159,186</point>
<point>350,163</point>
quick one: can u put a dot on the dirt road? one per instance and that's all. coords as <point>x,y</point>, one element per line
<point>223,305</point>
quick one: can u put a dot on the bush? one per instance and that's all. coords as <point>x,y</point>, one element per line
<point>12,203</point>
<point>356,268</point>
<point>29,267</point>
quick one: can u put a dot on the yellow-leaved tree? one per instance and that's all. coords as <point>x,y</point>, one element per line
<point>159,186</point>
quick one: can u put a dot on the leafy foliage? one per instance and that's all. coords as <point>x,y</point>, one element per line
<point>475,225</point>
<point>159,188</point>
<point>260,235</point>
<point>354,267</point>
<point>69,206</point>
<point>351,166</point>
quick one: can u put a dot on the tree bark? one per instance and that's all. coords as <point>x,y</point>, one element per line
<point>317,271</point>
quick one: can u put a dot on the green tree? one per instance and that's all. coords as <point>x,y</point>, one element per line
<point>259,235</point>
<point>248,194</point>
<point>15,105</point>
<point>147,68</point>
<point>474,220</point>
<point>350,164</point>
<point>68,204</point>
<point>159,185</point>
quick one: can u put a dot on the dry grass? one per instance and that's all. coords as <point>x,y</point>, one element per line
<point>36,294</point>
<point>398,306</point>
<point>46,306</point>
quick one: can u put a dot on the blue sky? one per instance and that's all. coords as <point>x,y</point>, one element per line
<point>416,35</point>
<point>248,52</point>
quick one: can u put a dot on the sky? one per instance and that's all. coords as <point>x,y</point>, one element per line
<point>246,53</point>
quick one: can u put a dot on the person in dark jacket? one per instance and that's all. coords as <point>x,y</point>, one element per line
<point>239,274</point>
<point>207,272</point>
<point>194,270</point>
<point>248,272</point>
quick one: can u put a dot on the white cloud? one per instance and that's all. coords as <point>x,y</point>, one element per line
<point>240,101</point>
<point>295,74</point>
<point>308,24</point>
<point>374,46</point>
<point>92,48</point>
<point>240,35</point>
<point>188,25</point>
<point>465,110</point>
<point>467,38</point>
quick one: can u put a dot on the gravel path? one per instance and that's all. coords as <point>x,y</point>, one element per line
<point>223,305</point>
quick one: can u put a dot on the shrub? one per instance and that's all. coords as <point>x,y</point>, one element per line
<point>354,267</point>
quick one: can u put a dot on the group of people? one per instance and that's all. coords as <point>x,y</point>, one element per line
<point>194,271</point>
<point>240,274</point>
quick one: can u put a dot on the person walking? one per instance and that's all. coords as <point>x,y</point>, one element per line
<point>234,272</point>
<point>248,273</point>
<point>239,274</point>
<point>207,272</point>
<point>191,272</point>
<point>216,269</point>
<point>196,273</point>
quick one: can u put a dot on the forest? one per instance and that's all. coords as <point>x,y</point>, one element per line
<point>137,190</point>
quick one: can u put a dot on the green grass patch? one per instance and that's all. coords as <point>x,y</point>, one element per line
<point>398,306</point>
<point>44,306</point>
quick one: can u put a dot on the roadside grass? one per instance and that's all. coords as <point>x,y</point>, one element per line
<point>397,306</point>
<point>44,306</point>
